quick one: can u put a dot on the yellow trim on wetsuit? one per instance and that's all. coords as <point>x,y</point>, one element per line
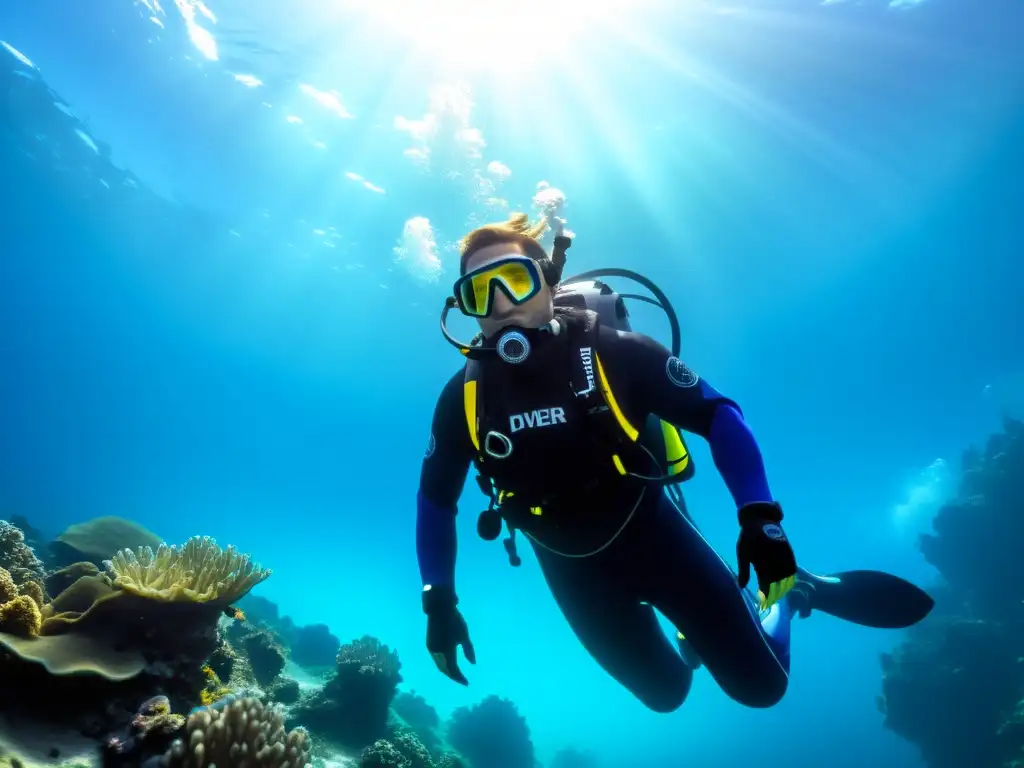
<point>613,404</point>
<point>469,403</point>
<point>676,455</point>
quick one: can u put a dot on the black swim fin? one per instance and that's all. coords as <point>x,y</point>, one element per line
<point>869,598</point>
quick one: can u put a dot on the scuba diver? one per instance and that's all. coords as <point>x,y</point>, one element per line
<point>573,422</point>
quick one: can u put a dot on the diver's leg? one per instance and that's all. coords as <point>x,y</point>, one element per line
<point>698,592</point>
<point>621,633</point>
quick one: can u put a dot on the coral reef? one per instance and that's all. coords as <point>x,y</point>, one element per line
<point>176,628</point>
<point>33,538</point>
<point>98,539</point>
<point>955,686</point>
<point>403,750</point>
<point>146,738</point>
<point>244,733</point>
<point>260,611</point>
<point>421,718</point>
<point>117,639</point>
<point>214,690</point>
<point>314,646</point>
<point>222,660</point>
<point>352,708</point>
<point>573,758</point>
<point>491,734</point>
<point>58,581</point>
<point>198,572</point>
<point>266,657</point>
<point>16,557</point>
<point>19,609</point>
<point>382,754</point>
<point>284,690</point>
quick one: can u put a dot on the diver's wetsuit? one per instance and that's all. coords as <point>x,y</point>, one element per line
<point>658,560</point>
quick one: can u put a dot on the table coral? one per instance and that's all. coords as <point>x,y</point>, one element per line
<point>199,571</point>
<point>58,581</point>
<point>98,539</point>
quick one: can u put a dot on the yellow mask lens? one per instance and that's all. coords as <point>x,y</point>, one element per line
<point>518,277</point>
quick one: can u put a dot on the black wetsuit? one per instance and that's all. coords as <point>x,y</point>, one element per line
<point>658,560</point>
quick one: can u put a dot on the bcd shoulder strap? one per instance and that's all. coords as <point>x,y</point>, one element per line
<point>591,383</point>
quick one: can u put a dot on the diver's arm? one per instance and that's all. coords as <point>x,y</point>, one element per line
<point>661,384</point>
<point>442,477</point>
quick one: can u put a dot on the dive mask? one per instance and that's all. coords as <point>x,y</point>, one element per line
<point>517,276</point>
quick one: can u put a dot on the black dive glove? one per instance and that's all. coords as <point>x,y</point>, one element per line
<point>446,631</point>
<point>763,544</point>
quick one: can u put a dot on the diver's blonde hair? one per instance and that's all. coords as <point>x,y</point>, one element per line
<point>516,229</point>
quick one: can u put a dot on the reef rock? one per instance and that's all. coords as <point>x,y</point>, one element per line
<point>353,706</point>
<point>955,686</point>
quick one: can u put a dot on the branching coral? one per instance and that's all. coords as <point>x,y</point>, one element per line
<point>401,751</point>
<point>17,557</point>
<point>244,733</point>
<point>369,656</point>
<point>382,754</point>
<point>199,571</point>
<point>214,690</point>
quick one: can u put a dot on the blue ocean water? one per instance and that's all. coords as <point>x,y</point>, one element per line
<point>830,193</point>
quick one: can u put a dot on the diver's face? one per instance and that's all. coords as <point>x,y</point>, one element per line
<point>532,313</point>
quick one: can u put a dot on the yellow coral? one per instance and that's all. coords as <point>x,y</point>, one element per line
<point>21,616</point>
<point>199,571</point>
<point>208,696</point>
<point>8,590</point>
<point>35,591</point>
<point>214,688</point>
